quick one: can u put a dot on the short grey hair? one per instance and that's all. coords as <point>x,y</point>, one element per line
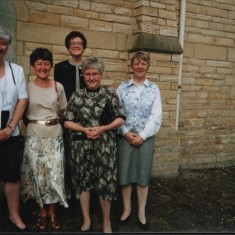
<point>5,35</point>
<point>93,63</point>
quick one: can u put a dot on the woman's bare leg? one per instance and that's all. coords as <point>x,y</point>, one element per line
<point>12,194</point>
<point>106,207</point>
<point>142,194</point>
<point>85,205</point>
<point>126,199</point>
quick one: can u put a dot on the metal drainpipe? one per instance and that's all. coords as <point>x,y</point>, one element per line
<point>181,39</point>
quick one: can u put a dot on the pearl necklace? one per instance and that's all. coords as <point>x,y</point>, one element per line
<point>92,94</point>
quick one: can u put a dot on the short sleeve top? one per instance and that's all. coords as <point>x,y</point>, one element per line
<point>45,104</point>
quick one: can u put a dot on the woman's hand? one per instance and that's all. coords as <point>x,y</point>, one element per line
<point>133,138</point>
<point>90,132</point>
<point>137,141</point>
<point>94,132</point>
<point>5,134</point>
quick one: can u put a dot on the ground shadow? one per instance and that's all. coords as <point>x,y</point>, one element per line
<point>193,202</point>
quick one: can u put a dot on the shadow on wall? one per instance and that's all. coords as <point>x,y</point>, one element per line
<point>8,22</point>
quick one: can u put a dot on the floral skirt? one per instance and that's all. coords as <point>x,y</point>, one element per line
<point>94,166</point>
<point>42,172</point>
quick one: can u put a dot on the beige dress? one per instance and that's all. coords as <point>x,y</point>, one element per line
<point>42,174</point>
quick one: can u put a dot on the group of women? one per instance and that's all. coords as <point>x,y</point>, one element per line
<point>103,153</point>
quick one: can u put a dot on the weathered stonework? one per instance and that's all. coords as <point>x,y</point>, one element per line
<point>154,43</point>
<point>117,28</point>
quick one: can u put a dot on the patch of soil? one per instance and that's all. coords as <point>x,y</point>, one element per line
<point>194,201</point>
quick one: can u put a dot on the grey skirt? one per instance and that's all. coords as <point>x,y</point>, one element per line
<point>135,163</point>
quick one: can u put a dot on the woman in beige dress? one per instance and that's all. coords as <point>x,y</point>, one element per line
<point>43,162</point>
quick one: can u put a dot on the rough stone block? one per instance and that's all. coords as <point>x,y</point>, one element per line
<point>167,14</point>
<point>86,14</point>
<point>210,52</point>
<point>67,3</point>
<point>44,18</point>
<point>60,10</point>
<point>74,22</point>
<point>101,8</point>
<point>102,40</point>
<point>84,5</point>
<point>100,25</point>
<point>122,28</point>
<point>22,11</point>
<point>106,53</point>
<point>36,6</point>
<point>154,43</point>
<point>231,54</point>
<point>116,18</point>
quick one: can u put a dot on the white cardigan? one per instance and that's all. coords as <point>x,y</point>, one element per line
<point>16,91</point>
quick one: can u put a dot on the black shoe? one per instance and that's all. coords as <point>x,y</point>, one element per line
<point>21,230</point>
<point>143,226</point>
<point>124,221</point>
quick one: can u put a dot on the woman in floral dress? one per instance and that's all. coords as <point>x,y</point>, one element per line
<point>94,161</point>
<point>43,162</point>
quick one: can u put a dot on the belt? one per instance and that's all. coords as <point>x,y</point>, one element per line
<point>46,122</point>
<point>80,137</point>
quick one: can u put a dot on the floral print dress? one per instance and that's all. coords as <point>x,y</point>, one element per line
<point>94,162</point>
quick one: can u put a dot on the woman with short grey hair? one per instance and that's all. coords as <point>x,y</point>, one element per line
<point>93,62</point>
<point>94,160</point>
<point>5,35</point>
<point>13,100</point>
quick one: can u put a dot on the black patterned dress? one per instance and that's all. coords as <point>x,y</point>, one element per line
<point>94,162</point>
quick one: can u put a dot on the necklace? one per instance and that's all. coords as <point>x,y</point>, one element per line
<point>92,94</point>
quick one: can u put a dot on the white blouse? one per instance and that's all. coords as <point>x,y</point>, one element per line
<point>15,92</point>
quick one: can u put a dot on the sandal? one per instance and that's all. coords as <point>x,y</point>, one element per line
<point>42,222</point>
<point>54,222</point>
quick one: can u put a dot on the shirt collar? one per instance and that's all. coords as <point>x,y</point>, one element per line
<point>131,82</point>
<point>72,63</point>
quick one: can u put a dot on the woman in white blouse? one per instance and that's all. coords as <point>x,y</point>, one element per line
<point>141,101</point>
<point>13,100</point>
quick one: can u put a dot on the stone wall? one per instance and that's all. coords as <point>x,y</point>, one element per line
<point>206,127</point>
<point>206,133</point>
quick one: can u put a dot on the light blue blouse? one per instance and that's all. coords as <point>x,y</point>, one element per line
<point>142,106</point>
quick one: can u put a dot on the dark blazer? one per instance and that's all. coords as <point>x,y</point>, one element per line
<point>65,73</point>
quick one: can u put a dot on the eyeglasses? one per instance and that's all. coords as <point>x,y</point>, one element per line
<point>76,43</point>
<point>94,75</point>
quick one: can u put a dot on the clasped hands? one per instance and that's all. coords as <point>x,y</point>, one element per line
<point>94,132</point>
<point>134,138</point>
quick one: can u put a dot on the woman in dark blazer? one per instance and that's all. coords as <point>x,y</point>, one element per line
<point>69,74</point>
